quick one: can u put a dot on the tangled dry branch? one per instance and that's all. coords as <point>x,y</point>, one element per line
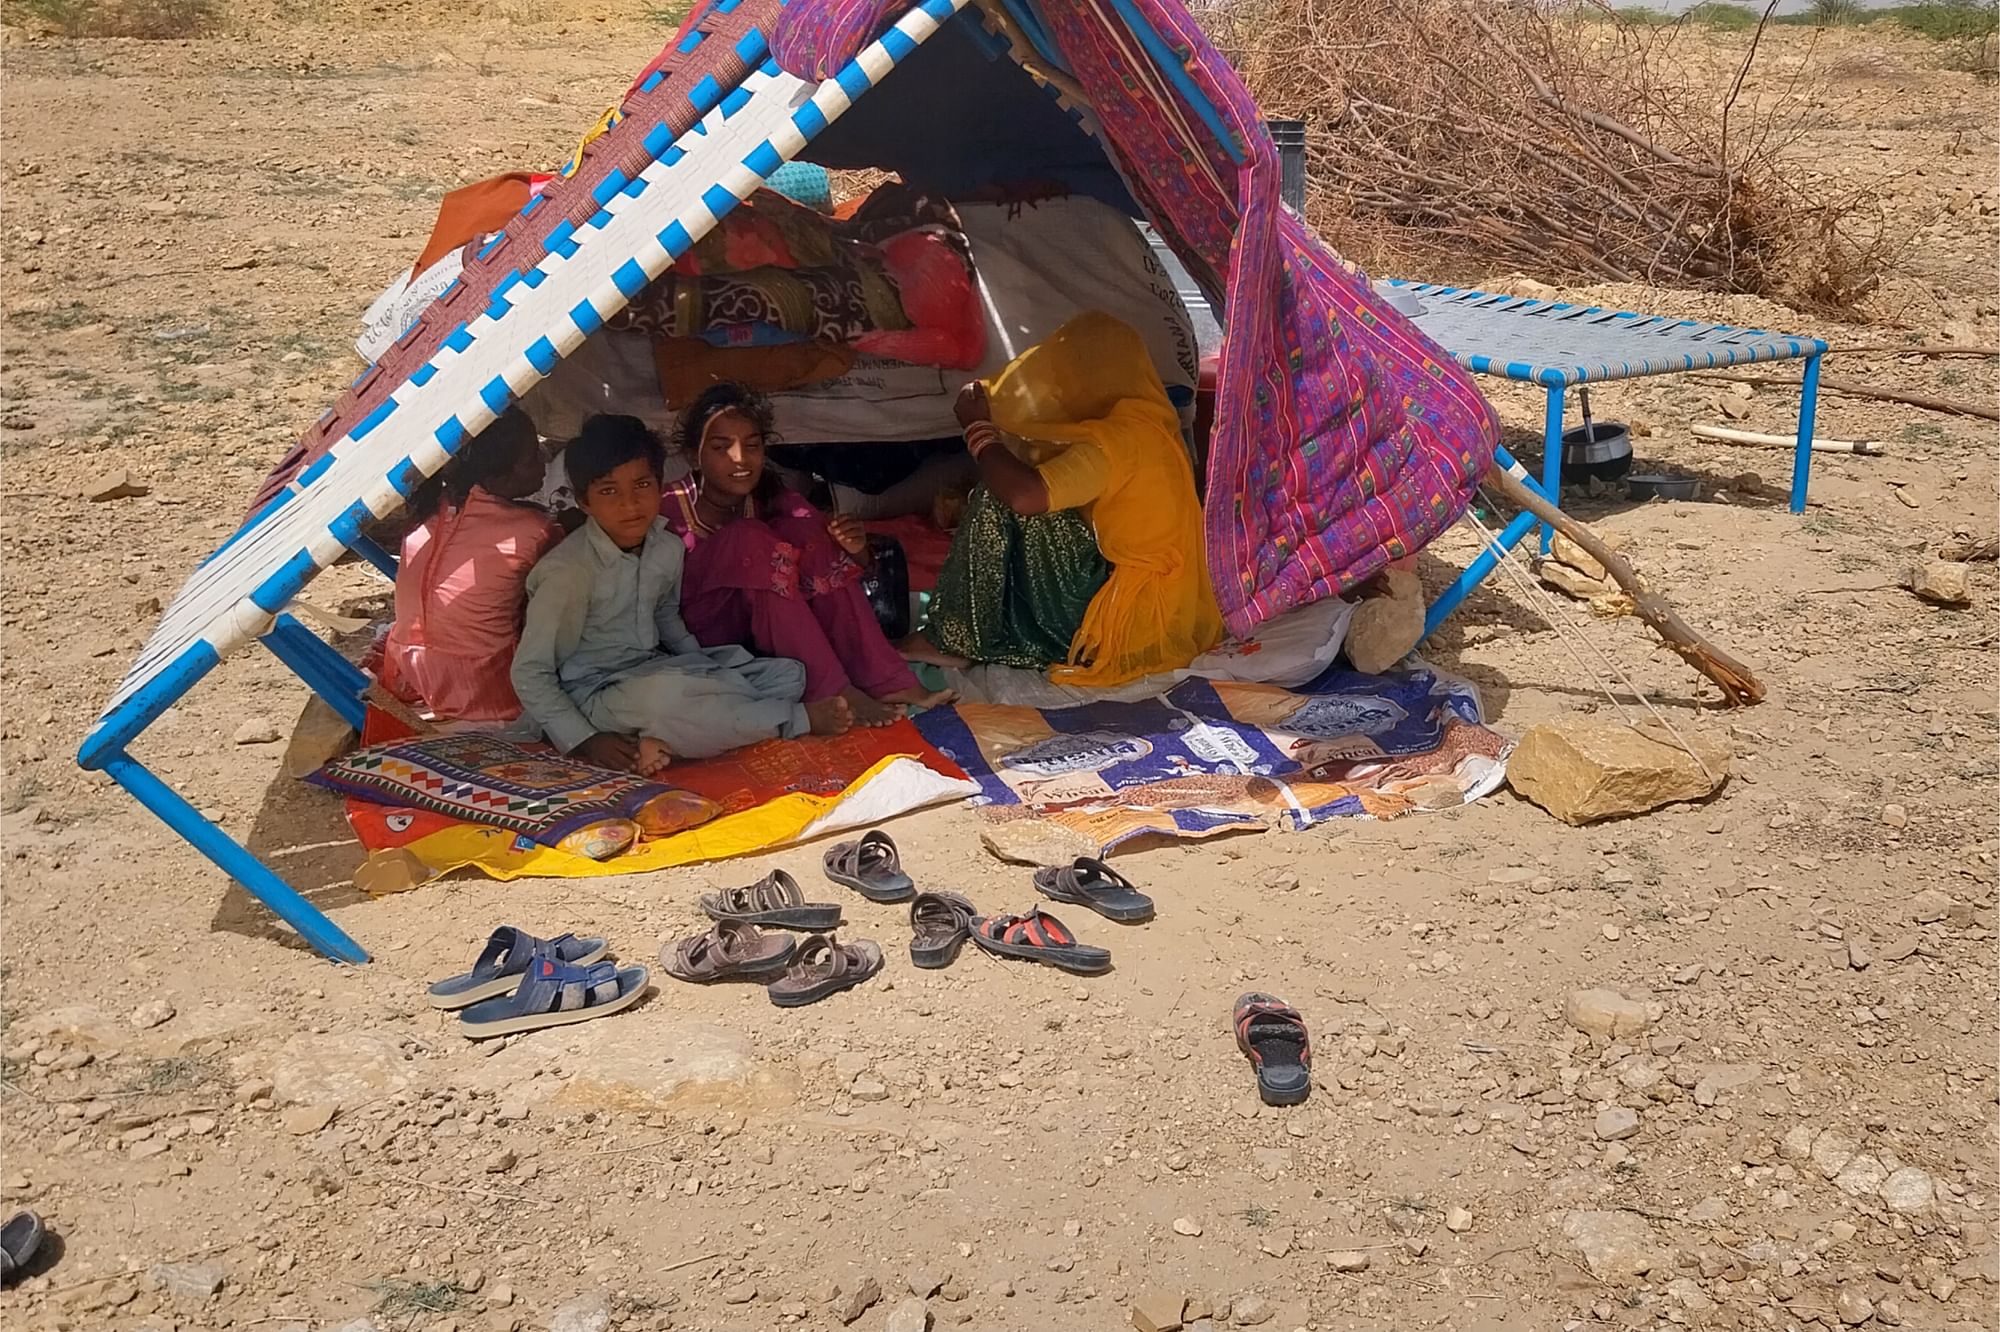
<point>1554,142</point>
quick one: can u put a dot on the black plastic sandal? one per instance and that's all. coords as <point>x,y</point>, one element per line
<point>1039,937</point>
<point>20,1240</point>
<point>1273,1036</point>
<point>1094,884</point>
<point>942,922</point>
<point>870,867</point>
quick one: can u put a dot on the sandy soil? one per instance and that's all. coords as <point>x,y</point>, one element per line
<point>191,230</point>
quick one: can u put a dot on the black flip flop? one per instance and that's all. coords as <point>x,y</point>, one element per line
<point>1039,937</point>
<point>871,867</point>
<point>1273,1036</point>
<point>20,1240</point>
<point>1094,884</point>
<point>942,922</point>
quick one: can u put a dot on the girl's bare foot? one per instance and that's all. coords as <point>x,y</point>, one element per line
<point>918,648</point>
<point>653,757</point>
<point>866,711</point>
<point>921,698</point>
<point>830,716</point>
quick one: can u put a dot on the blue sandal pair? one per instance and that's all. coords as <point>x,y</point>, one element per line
<point>522,983</point>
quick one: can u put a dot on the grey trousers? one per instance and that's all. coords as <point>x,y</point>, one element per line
<point>698,709</point>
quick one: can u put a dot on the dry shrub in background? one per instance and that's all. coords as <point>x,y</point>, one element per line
<point>149,20</point>
<point>1469,134</point>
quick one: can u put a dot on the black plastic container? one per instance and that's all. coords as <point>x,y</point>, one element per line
<point>1602,450</point>
<point>1290,136</point>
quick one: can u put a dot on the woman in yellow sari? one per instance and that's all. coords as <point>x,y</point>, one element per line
<point>1079,428</point>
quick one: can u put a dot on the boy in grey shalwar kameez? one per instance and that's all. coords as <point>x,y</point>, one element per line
<point>606,667</point>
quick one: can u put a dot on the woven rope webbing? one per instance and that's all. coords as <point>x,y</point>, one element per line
<point>526,239</point>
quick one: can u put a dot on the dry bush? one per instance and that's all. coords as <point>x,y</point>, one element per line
<point>1470,134</point>
<point>151,20</point>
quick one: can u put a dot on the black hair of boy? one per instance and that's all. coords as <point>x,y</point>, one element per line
<point>607,443</point>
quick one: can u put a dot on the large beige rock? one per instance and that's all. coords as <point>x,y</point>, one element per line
<point>1386,628</point>
<point>1942,582</point>
<point>1605,1013</point>
<point>1569,581</point>
<point>1576,557</point>
<point>1617,1246</point>
<point>320,736</point>
<point>682,1064</point>
<point>341,1070</point>
<point>1036,842</point>
<point>1583,771</point>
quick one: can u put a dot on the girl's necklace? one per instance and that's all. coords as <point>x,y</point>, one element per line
<point>707,516</point>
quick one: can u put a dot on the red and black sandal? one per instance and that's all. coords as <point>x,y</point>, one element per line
<point>1039,937</point>
<point>1272,1035</point>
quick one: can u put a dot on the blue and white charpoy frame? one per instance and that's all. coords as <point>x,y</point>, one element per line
<point>533,320</point>
<point>1558,346</point>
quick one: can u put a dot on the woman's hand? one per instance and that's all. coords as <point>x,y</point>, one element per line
<point>972,405</point>
<point>849,534</point>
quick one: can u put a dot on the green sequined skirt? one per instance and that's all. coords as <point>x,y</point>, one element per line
<point>1013,590</point>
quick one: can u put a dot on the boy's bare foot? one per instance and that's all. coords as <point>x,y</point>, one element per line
<point>918,648</point>
<point>830,716</point>
<point>653,757</point>
<point>921,698</point>
<point>866,711</point>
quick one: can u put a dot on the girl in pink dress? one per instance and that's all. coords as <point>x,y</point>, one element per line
<point>461,587</point>
<point>769,571</point>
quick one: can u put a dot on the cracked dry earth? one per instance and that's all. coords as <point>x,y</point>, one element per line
<point>1778,1111</point>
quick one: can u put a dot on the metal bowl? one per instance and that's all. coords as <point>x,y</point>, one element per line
<point>1657,485</point>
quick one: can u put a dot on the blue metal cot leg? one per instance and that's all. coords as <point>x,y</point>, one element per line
<point>327,673</point>
<point>1552,457</point>
<point>369,549</point>
<point>235,861</point>
<point>1802,453</point>
<point>1483,563</point>
<point>1475,573</point>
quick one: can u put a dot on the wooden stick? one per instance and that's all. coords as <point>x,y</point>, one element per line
<point>413,1182</point>
<point>689,1262</point>
<point>1965,549</point>
<point>1950,406</point>
<point>380,697</point>
<point>1918,349</point>
<point>1724,435</point>
<point>1738,685</point>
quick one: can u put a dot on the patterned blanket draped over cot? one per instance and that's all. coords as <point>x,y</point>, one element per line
<point>1343,437</point>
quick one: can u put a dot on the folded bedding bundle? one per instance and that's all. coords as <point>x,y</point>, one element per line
<point>774,274</point>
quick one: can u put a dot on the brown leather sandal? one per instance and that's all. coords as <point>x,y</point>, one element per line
<point>775,899</point>
<point>825,966</point>
<point>939,923</point>
<point>871,867</point>
<point>730,951</point>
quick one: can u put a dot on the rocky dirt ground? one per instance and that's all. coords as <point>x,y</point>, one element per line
<point>1785,1118</point>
